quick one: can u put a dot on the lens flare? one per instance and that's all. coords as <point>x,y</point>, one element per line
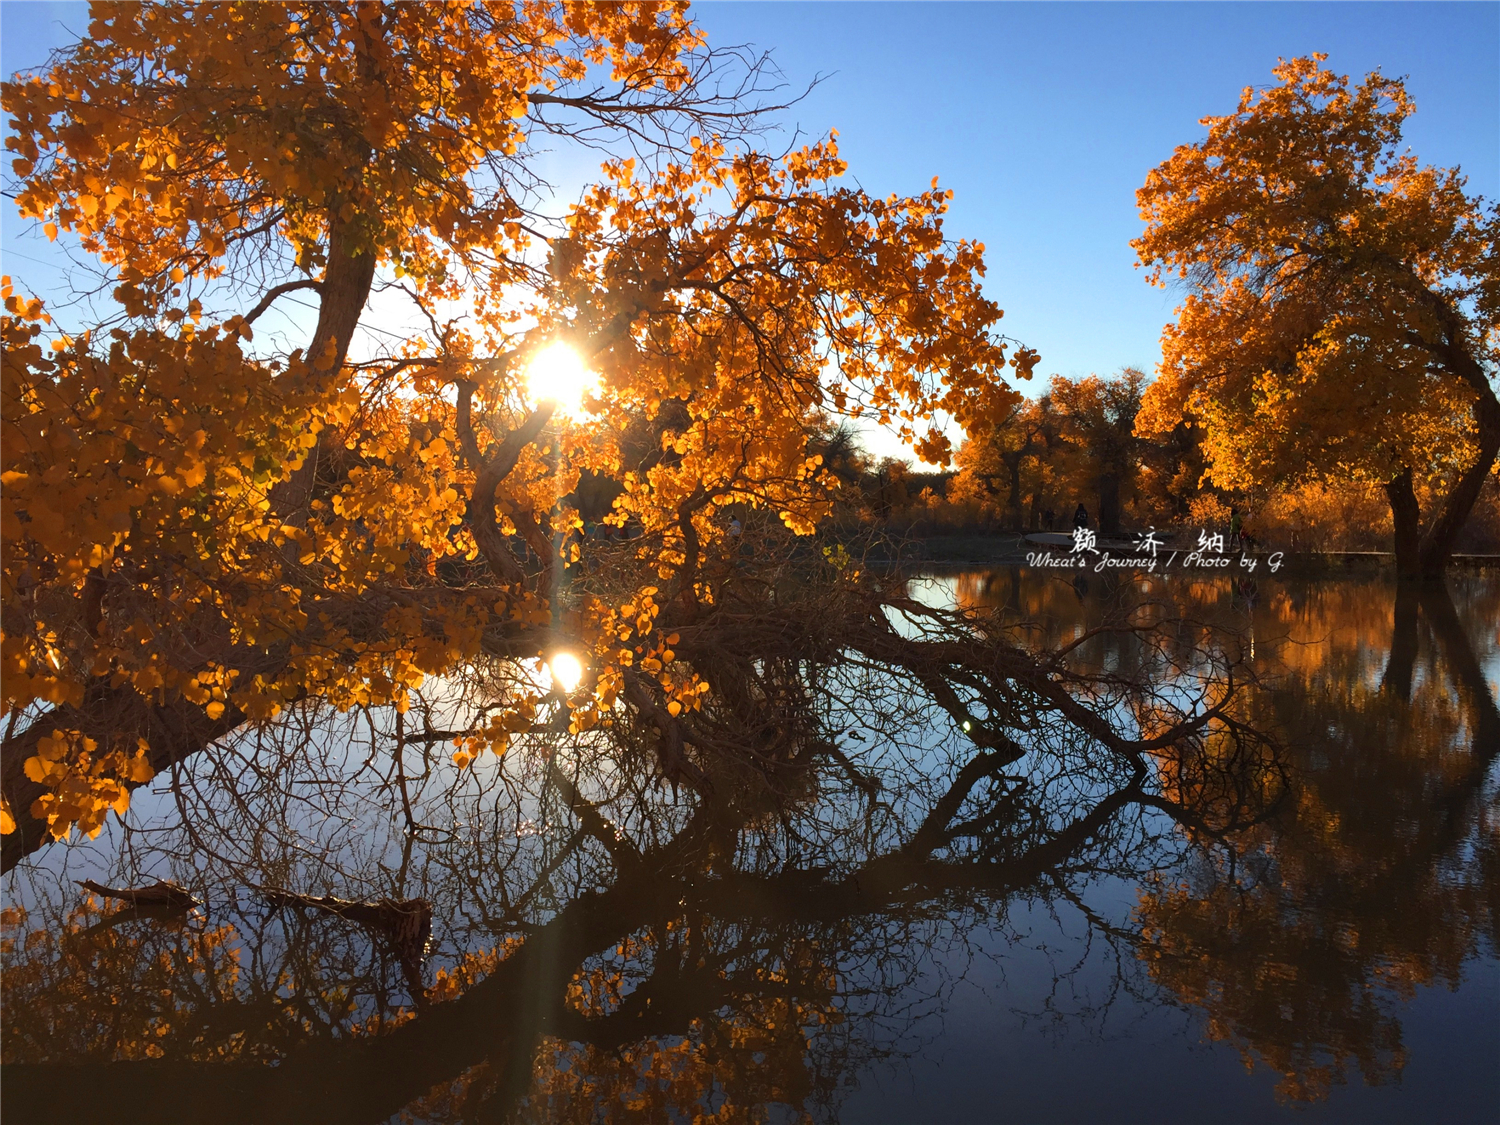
<point>567,672</point>
<point>557,374</point>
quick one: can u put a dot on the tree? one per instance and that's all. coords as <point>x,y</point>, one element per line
<point>1098,418</point>
<point>1078,442</point>
<point>995,460</point>
<point>1342,300</point>
<point>1171,472</point>
<point>200,532</point>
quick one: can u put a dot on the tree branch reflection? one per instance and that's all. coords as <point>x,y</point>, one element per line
<point>603,950</point>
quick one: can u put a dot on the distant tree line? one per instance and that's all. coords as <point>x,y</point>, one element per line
<point>1080,444</point>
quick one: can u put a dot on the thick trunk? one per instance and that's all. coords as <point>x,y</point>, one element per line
<point>1109,502</point>
<point>1436,546</point>
<point>345,290</point>
<point>1013,502</point>
<point>1452,348</point>
<point>346,287</point>
<point>1407,521</point>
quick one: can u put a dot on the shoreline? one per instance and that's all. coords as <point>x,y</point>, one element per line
<point>978,551</point>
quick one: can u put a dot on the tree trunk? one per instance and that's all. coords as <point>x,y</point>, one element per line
<point>1436,546</point>
<point>346,288</point>
<point>1013,502</point>
<point>1407,519</point>
<point>1454,351</point>
<point>1109,502</point>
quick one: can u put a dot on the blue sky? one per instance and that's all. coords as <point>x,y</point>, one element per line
<point>1043,119</point>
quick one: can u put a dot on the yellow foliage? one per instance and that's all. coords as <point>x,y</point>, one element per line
<point>1338,326</point>
<point>195,524</point>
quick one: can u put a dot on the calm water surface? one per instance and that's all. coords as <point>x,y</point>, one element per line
<point>1300,928</point>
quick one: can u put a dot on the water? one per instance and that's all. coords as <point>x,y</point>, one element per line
<point>1304,929</point>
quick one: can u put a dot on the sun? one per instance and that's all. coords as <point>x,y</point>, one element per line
<point>567,672</point>
<point>557,374</point>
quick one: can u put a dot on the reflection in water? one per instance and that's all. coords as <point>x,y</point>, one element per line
<point>605,950</point>
<point>1379,872</point>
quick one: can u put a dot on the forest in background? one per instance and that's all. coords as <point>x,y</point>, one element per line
<point>1077,444</point>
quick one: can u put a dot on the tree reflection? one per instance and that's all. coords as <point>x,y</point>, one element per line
<point>605,950</point>
<point>1377,874</point>
<point>1375,879</point>
<point>660,959</point>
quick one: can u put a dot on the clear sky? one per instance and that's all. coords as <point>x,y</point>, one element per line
<point>1044,119</point>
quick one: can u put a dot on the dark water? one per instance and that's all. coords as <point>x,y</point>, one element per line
<point>1298,928</point>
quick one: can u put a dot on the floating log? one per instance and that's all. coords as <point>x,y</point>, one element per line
<point>160,893</point>
<point>407,922</point>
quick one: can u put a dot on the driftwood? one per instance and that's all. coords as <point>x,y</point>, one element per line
<point>161,893</point>
<point>407,922</point>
